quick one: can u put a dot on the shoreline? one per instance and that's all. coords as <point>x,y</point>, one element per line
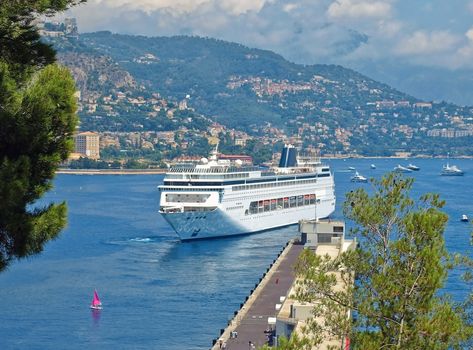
<point>111,171</point>
<point>397,157</point>
<point>163,171</point>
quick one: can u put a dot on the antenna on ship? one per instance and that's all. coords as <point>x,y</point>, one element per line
<point>214,153</point>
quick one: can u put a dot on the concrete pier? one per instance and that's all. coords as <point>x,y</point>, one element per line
<point>271,310</point>
<point>251,321</point>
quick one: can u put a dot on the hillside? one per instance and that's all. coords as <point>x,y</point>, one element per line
<point>260,93</point>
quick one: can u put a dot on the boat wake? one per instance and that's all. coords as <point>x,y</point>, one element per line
<point>137,240</point>
<point>142,240</point>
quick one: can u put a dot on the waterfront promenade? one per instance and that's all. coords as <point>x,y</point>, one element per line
<point>252,319</point>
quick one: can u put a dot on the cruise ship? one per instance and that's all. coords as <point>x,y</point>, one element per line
<point>217,198</point>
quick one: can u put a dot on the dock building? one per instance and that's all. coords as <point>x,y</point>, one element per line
<point>324,237</point>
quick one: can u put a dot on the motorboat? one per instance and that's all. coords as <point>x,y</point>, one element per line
<point>351,168</point>
<point>372,166</point>
<point>451,170</point>
<point>401,169</point>
<point>464,218</point>
<point>413,167</point>
<point>358,178</point>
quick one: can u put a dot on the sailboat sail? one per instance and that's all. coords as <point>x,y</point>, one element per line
<point>96,303</point>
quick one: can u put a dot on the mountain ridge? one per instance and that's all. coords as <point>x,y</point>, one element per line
<point>247,88</point>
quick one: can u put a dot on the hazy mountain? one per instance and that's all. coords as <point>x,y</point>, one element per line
<point>428,83</point>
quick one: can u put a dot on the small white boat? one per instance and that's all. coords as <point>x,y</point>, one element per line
<point>413,167</point>
<point>351,168</point>
<point>358,178</point>
<point>464,218</point>
<point>401,169</point>
<point>96,303</point>
<point>451,170</point>
<point>372,166</point>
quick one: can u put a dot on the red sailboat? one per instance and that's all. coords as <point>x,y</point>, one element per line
<point>96,303</point>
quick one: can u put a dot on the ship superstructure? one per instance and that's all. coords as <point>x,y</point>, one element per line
<point>216,198</point>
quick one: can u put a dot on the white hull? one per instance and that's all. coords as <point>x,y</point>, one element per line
<point>218,223</point>
<point>452,173</point>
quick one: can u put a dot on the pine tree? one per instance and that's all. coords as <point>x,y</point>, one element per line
<point>37,119</point>
<point>392,279</point>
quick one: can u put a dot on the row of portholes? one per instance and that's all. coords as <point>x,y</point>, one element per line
<point>197,217</point>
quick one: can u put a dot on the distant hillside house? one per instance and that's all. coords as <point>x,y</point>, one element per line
<point>87,144</point>
<point>240,142</point>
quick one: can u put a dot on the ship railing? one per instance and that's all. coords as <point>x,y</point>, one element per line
<point>199,209</point>
<point>176,209</point>
<point>218,169</point>
<point>308,159</point>
<point>185,209</point>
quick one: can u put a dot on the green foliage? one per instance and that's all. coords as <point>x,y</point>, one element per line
<point>37,119</point>
<point>87,163</point>
<point>400,266</point>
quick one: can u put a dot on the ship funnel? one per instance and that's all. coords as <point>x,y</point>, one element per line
<point>288,157</point>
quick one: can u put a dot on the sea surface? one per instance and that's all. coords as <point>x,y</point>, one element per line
<point>157,292</point>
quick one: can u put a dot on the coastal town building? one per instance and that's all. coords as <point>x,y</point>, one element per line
<point>87,144</point>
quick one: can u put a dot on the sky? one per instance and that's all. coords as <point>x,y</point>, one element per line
<point>359,34</point>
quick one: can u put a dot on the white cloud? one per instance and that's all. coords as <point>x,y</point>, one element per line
<point>289,7</point>
<point>423,43</point>
<point>469,34</point>
<point>238,7</point>
<point>348,32</point>
<point>179,7</point>
<point>147,6</point>
<point>359,9</point>
<point>464,55</point>
<point>388,28</point>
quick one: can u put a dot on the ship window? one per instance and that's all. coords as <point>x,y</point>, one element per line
<point>292,201</point>
<point>312,199</point>
<point>286,202</point>
<point>266,205</point>
<point>273,204</point>
<point>280,203</point>
<point>260,207</point>
<point>300,201</point>
<point>306,199</point>
<point>190,198</point>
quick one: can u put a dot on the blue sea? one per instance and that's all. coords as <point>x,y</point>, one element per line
<point>159,293</point>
